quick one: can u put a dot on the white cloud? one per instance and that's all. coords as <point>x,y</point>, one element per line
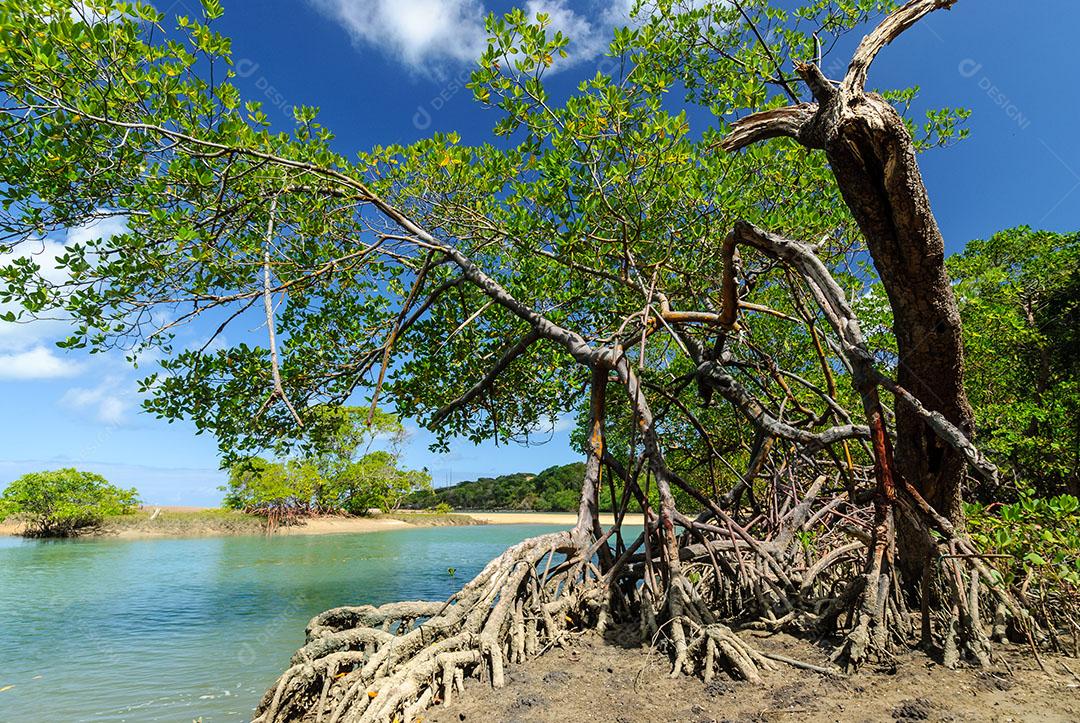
<point>83,12</point>
<point>424,34</point>
<point>44,253</point>
<point>102,228</point>
<point>110,402</point>
<point>434,36</point>
<point>37,363</point>
<point>25,336</point>
<point>587,39</point>
<point>554,425</point>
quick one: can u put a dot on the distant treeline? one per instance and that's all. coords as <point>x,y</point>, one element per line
<point>555,489</point>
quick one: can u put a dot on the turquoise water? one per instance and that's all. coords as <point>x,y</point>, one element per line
<point>173,630</point>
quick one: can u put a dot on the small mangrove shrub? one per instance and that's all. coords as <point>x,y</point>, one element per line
<point>63,502</point>
<point>1035,544</point>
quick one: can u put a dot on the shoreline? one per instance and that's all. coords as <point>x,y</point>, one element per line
<point>547,518</point>
<point>181,521</point>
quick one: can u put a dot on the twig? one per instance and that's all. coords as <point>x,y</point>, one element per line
<point>804,665</point>
<point>268,305</point>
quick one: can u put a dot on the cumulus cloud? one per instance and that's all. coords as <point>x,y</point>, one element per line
<point>424,34</point>
<point>587,40</point>
<point>25,339</point>
<point>102,228</point>
<point>434,36</point>
<point>38,362</point>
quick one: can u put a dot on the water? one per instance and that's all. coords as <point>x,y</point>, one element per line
<point>174,630</point>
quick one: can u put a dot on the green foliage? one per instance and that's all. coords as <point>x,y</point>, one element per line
<point>1019,298</point>
<point>272,488</point>
<point>335,435</point>
<point>60,503</point>
<point>1040,539</point>
<point>556,489</point>
<point>332,479</point>
<point>374,480</point>
<point>571,212</point>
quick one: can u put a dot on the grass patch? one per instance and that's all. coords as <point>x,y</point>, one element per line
<point>430,519</point>
<point>180,523</point>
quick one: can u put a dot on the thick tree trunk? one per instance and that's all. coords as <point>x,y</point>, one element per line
<point>873,158</point>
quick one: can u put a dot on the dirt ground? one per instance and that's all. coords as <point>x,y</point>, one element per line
<point>598,680</point>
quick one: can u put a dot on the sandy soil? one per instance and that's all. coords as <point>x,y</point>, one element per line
<point>600,680</point>
<point>188,521</point>
<point>9,529</point>
<point>335,525</point>
<point>180,521</point>
<point>545,518</point>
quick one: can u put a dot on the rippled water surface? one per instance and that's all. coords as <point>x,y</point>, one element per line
<point>174,630</point>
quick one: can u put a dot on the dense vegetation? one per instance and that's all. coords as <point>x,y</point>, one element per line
<point>63,502</point>
<point>671,252</point>
<point>341,475</point>
<point>1035,544</point>
<point>1019,294</point>
<point>556,489</point>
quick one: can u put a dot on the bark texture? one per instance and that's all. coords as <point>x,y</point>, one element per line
<point>873,158</point>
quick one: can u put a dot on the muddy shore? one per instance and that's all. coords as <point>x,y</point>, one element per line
<point>614,681</point>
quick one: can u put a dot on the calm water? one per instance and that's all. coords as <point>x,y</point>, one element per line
<point>142,630</point>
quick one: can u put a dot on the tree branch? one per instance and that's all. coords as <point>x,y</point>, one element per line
<point>477,389</point>
<point>268,305</point>
<point>786,122</point>
<point>887,31</point>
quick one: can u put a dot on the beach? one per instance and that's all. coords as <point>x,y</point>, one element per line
<point>191,521</point>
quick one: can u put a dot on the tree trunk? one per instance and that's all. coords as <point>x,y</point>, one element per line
<point>872,156</point>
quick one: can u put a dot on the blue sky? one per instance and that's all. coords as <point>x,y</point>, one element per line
<point>392,71</point>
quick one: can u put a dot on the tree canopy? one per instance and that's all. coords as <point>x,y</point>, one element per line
<point>62,502</point>
<point>672,252</point>
<point>588,214</point>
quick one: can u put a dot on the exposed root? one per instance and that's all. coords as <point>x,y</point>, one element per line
<point>719,645</point>
<point>816,561</point>
<point>367,664</point>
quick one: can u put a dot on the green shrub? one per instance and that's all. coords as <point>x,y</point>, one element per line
<point>62,502</point>
<point>1039,541</point>
<point>442,509</point>
<point>279,491</point>
<point>374,480</point>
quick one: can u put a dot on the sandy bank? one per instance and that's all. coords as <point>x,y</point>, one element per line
<point>546,518</point>
<point>177,521</point>
<point>159,521</point>
<point>335,525</point>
